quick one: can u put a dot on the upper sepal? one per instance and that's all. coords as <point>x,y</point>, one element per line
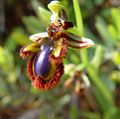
<point>58,10</point>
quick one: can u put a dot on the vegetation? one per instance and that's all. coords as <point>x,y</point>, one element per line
<point>90,86</point>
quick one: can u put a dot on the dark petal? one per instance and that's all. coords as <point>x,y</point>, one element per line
<point>41,62</point>
<point>67,25</point>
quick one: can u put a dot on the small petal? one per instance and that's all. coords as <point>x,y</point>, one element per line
<point>38,36</point>
<point>78,42</point>
<point>83,43</point>
<point>60,51</point>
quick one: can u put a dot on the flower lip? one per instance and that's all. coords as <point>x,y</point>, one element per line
<point>42,62</point>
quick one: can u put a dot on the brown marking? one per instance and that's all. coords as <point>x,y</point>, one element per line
<point>25,54</point>
<point>41,84</point>
<point>30,69</point>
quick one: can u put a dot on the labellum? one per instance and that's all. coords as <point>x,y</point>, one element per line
<point>42,62</point>
<point>48,49</point>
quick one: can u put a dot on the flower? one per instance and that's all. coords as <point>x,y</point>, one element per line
<point>48,49</point>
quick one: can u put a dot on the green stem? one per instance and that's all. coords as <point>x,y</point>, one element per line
<point>107,97</point>
<point>80,26</point>
<point>78,17</point>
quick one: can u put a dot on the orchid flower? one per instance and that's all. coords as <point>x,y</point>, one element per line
<point>46,53</point>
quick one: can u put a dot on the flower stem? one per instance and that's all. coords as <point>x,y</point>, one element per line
<point>107,97</point>
<point>80,27</point>
<point>78,16</point>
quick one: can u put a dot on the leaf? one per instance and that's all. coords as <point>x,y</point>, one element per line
<point>115,76</point>
<point>102,92</point>
<point>116,57</point>
<point>98,57</point>
<point>6,59</point>
<point>112,30</point>
<point>2,56</point>
<point>102,29</point>
<point>74,112</point>
<point>33,24</point>
<point>42,13</point>
<point>90,115</point>
<point>112,113</point>
<point>20,37</point>
<point>115,13</point>
<point>10,44</point>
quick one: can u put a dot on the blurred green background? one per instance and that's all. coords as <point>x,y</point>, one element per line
<point>90,87</point>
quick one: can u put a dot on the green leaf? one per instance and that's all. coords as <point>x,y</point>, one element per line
<point>74,112</point>
<point>112,113</point>
<point>33,24</point>
<point>103,92</point>
<point>100,98</point>
<point>112,30</point>
<point>98,57</point>
<point>115,76</point>
<point>2,56</point>
<point>115,12</point>
<point>6,59</point>
<point>20,37</point>
<point>44,15</point>
<point>10,44</point>
<point>90,115</point>
<point>116,57</point>
<point>102,29</point>
<point>36,4</point>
